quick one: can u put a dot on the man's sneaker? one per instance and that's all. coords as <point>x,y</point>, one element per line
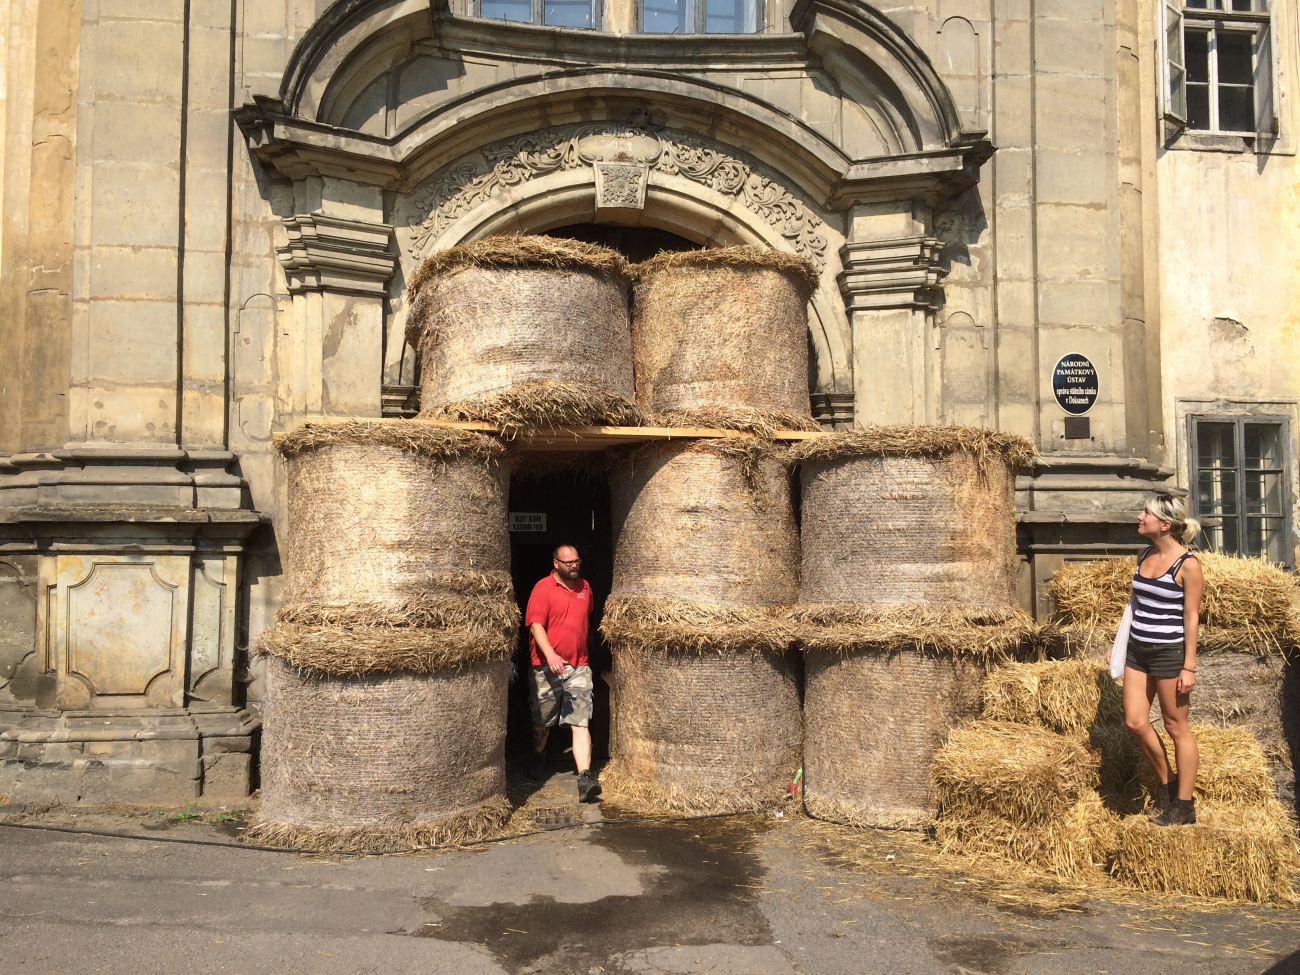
<point>537,767</point>
<point>588,788</point>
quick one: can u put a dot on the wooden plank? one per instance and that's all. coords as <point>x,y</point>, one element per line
<point>590,438</point>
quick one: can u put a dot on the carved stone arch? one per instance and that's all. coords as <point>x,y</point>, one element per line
<point>707,194</point>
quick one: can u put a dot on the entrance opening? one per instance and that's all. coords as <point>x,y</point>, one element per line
<point>574,509</point>
<point>635,243</point>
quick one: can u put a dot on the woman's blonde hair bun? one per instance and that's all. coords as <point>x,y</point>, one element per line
<point>1168,508</point>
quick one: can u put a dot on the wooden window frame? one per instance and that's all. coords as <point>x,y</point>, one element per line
<point>538,8</point>
<point>1239,422</point>
<point>700,12</point>
<point>1175,20</point>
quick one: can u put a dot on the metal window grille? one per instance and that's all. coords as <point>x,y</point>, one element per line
<point>1240,485</point>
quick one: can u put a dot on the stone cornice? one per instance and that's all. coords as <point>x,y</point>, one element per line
<point>901,273</point>
<point>328,253</point>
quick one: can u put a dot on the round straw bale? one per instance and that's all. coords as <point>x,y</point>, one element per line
<point>703,733</point>
<point>724,328</point>
<point>494,315</point>
<point>382,763</point>
<point>706,521</point>
<point>395,523</point>
<point>918,516</point>
<point>874,719</point>
<point>380,648</point>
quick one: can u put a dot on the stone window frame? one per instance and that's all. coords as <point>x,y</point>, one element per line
<point>1285,412</point>
<point>760,17</point>
<point>538,12</point>
<point>1175,18</point>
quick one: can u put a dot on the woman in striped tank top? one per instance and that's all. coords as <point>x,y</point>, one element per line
<point>1161,660</point>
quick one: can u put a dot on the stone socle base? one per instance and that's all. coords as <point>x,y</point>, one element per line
<point>162,756</point>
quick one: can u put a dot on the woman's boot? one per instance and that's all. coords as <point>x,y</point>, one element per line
<point>1165,795</point>
<point>1182,812</point>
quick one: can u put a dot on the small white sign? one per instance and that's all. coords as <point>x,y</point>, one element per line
<point>528,521</point>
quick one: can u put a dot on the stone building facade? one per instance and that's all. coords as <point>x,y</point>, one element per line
<point>210,210</point>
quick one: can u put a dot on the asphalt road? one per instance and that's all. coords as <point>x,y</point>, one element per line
<point>751,895</point>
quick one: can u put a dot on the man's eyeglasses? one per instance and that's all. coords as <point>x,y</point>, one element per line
<point>569,561</point>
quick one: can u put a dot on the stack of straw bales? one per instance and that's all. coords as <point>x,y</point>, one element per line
<point>388,666</point>
<point>705,698</point>
<point>1248,631</point>
<point>720,338</point>
<point>907,593</point>
<point>524,332</point>
<point>1046,778</point>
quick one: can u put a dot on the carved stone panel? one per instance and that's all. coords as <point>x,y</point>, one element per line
<point>620,188</point>
<point>18,598</point>
<point>121,628</point>
<point>207,618</point>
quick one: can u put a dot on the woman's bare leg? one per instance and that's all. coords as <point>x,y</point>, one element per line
<point>1174,714</point>
<point>1139,691</point>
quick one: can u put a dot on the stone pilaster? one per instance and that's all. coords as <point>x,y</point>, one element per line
<point>891,288</point>
<point>337,261</point>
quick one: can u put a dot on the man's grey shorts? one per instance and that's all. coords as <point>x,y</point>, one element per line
<point>563,699</point>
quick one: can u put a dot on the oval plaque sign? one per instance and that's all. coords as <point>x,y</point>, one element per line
<point>1074,383</point>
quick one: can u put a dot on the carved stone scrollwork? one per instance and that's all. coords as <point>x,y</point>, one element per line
<point>635,150</point>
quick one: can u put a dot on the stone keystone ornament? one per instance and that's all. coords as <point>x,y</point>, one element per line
<point>1074,384</point>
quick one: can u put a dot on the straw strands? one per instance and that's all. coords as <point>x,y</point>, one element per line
<point>987,446</point>
<point>1243,853</point>
<point>722,329</point>
<point>873,720</point>
<point>1020,773</point>
<point>703,733</point>
<point>506,311</point>
<point>543,404</point>
<point>1247,604</point>
<point>982,633</point>
<point>1077,843</point>
<point>378,526</point>
<point>761,423</point>
<point>383,763</point>
<point>404,435</point>
<point>908,528</point>
<point>705,521</point>
<point>1061,695</point>
<point>361,649</point>
<point>662,623</point>
<point>1233,772</point>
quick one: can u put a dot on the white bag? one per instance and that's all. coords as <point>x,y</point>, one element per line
<point>1119,652</point>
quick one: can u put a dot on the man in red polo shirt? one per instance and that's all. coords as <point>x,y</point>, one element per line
<point>558,611</point>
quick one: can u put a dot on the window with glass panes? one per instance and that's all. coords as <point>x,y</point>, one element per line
<point>1218,64</point>
<point>1239,474</point>
<point>552,13</point>
<point>701,16</point>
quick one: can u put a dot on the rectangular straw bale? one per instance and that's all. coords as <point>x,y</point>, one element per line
<point>1080,841</point>
<point>1241,853</point>
<point>1249,602</point>
<point>1021,773</point>
<point>1234,770</point>
<point>1063,695</point>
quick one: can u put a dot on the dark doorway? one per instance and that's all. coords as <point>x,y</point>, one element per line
<point>635,243</point>
<point>576,507</point>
